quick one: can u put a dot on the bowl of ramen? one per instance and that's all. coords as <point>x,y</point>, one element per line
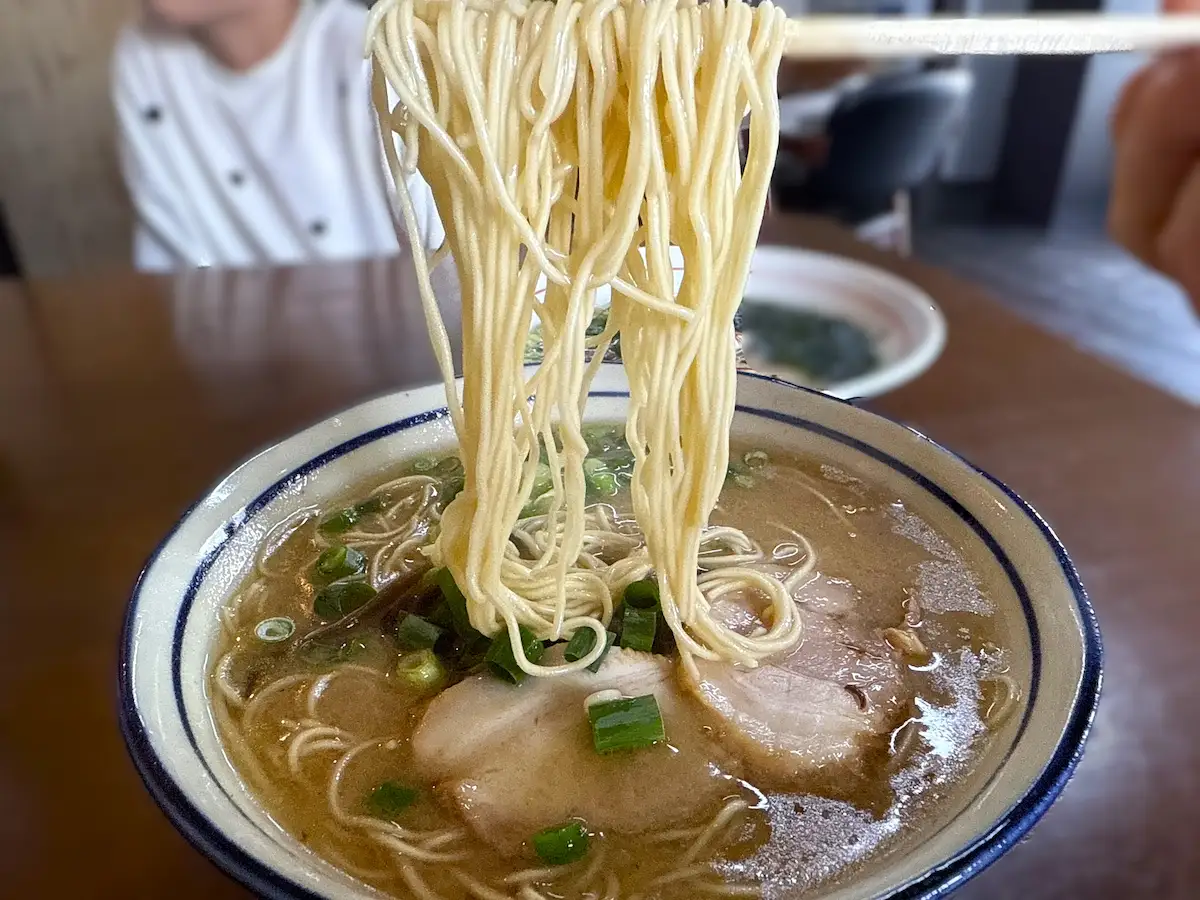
<point>306,698</point>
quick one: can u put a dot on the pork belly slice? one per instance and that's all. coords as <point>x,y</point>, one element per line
<point>809,718</point>
<point>513,760</point>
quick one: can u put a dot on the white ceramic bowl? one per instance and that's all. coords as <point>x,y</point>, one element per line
<point>172,622</point>
<point>905,326</point>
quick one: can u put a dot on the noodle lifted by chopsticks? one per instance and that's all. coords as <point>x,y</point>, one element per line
<point>578,141</point>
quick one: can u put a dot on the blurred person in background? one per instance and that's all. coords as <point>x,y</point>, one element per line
<point>248,137</point>
<point>1155,206</point>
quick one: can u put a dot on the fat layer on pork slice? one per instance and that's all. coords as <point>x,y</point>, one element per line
<point>809,717</point>
<point>514,759</point>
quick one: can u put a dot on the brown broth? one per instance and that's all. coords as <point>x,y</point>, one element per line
<point>868,542</point>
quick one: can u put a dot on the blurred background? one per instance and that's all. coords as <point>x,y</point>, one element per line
<point>995,167</point>
<point>1031,150</point>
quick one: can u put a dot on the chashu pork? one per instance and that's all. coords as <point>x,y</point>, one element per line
<point>807,718</point>
<point>513,760</point>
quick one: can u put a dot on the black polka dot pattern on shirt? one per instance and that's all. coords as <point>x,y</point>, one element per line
<point>319,227</point>
<point>236,178</point>
<point>343,89</point>
<point>152,114</point>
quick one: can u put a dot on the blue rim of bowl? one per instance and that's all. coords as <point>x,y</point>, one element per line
<point>936,882</point>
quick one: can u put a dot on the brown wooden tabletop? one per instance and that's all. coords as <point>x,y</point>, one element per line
<point>123,397</point>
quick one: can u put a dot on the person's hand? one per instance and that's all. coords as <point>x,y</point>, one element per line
<point>1155,207</point>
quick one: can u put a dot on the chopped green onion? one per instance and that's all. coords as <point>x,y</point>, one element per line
<point>600,480</point>
<point>628,724</point>
<point>538,506</point>
<point>581,644</point>
<point>416,633</point>
<point>339,561</point>
<point>424,464</point>
<point>370,506</point>
<point>594,466</point>
<point>561,844</point>
<point>272,631</point>
<point>449,466</point>
<point>602,438</point>
<point>642,594</point>
<point>542,481</point>
<point>390,799</point>
<point>637,628</point>
<point>619,459</point>
<point>756,459</point>
<point>501,661</point>
<point>321,653</point>
<point>451,488</point>
<point>605,484</point>
<point>421,671</point>
<point>456,603</point>
<point>441,617</point>
<point>341,598</point>
<point>339,522</point>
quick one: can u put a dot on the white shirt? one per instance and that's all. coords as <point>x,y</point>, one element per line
<point>274,166</point>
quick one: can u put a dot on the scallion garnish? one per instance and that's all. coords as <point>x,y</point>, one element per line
<point>642,594</point>
<point>456,604</point>
<point>581,644</point>
<point>628,724</point>
<point>601,481</point>
<point>756,459</point>
<point>339,561</point>
<point>542,481</point>
<point>638,627</point>
<point>561,844</point>
<point>274,630</point>
<point>421,671</point>
<point>322,653</point>
<point>451,487</point>
<point>340,522</point>
<point>501,661</point>
<point>538,506</point>
<point>341,598</point>
<point>416,633</point>
<point>370,506</point>
<point>390,799</point>
<point>449,466</point>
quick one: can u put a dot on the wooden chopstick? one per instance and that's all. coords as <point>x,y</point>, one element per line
<point>838,37</point>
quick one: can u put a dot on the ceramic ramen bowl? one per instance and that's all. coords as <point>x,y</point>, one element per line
<point>172,626</point>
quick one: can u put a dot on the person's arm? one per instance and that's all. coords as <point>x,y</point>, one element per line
<point>1154,210</point>
<point>162,239</point>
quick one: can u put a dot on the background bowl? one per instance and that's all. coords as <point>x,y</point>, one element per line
<point>906,329</point>
<point>172,623</point>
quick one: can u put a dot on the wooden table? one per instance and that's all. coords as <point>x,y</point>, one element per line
<point>122,398</point>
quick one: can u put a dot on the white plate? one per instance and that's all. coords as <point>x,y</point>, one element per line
<point>906,327</point>
<point>904,324</point>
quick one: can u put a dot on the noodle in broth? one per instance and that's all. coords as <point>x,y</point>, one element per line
<point>315,731</point>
